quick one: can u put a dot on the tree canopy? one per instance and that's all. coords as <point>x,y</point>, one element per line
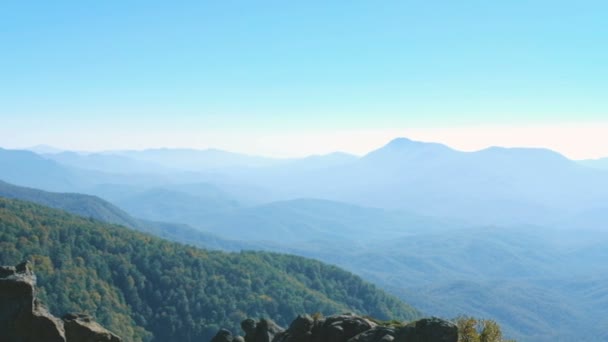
<point>145,288</point>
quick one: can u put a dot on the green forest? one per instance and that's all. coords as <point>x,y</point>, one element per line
<point>80,204</point>
<point>145,288</point>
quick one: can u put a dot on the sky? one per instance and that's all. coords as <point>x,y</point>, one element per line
<point>283,78</point>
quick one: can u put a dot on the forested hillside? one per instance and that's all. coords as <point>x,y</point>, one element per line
<point>80,204</point>
<point>146,288</point>
<point>89,206</point>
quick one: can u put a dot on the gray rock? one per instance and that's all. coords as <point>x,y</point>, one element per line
<point>23,267</point>
<point>376,334</point>
<point>428,330</point>
<point>223,335</point>
<point>248,327</point>
<point>341,328</point>
<point>347,328</point>
<point>300,330</point>
<point>264,330</point>
<point>302,324</point>
<point>24,319</point>
<point>6,271</point>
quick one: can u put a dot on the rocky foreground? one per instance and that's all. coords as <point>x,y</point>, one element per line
<point>24,319</point>
<point>342,328</point>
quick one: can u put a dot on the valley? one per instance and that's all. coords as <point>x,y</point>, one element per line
<point>530,272</point>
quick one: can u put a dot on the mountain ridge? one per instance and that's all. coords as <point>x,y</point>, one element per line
<point>136,284</point>
<point>93,207</point>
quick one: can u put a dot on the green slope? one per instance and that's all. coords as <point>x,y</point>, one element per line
<point>94,207</point>
<point>144,287</point>
<point>82,205</point>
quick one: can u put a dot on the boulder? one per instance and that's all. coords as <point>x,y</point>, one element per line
<point>300,330</point>
<point>264,330</point>
<point>344,328</point>
<point>24,319</point>
<point>376,334</point>
<point>428,330</point>
<point>341,328</point>
<point>224,335</point>
<point>248,327</point>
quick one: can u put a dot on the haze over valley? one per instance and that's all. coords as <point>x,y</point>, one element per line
<point>515,234</point>
<point>247,171</point>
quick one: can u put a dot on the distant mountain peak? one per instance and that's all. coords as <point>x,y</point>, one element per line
<point>403,142</point>
<point>401,147</point>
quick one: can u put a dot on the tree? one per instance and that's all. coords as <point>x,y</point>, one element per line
<point>490,331</point>
<point>473,330</point>
<point>467,329</point>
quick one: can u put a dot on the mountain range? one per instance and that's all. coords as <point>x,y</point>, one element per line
<point>145,288</point>
<point>93,207</point>
<point>494,185</point>
<point>512,233</point>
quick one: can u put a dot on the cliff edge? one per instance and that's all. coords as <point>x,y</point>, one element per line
<point>24,319</point>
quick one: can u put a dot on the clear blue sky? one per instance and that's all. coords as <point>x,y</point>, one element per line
<point>110,74</point>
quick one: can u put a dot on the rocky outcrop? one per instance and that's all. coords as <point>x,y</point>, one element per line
<point>224,335</point>
<point>24,319</point>
<point>264,330</point>
<point>343,328</point>
<point>428,329</point>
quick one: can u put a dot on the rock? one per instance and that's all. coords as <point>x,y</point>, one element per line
<point>300,330</point>
<point>248,327</point>
<point>301,325</point>
<point>24,319</point>
<point>84,328</point>
<point>341,328</point>
<point>262,331</point>
<point>223,335</point>
<point>428,330</point>
<point>266,330</point>
<point>6,271</point>
<point>23,267</point>
<point>377,334</point>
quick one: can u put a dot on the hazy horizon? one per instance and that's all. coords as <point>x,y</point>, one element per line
<point>463,139</point>
<point>289,80</point>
